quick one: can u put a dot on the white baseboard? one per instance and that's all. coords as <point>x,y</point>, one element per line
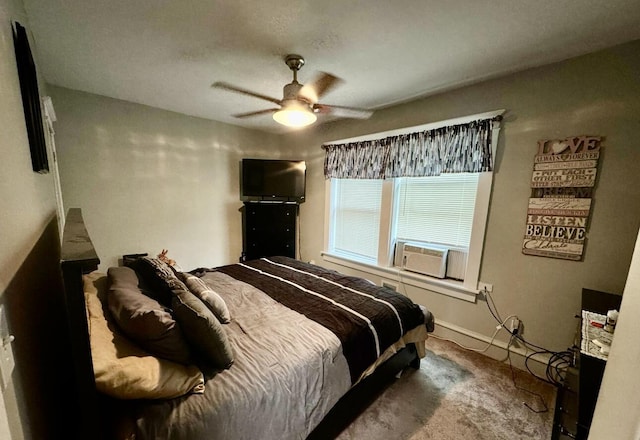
<point>498,349</point>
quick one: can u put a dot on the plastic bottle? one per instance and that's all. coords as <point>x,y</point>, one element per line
<point>612,319</point>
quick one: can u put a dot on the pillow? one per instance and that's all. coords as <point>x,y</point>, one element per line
<point>122,369</point>
<point>144,320</point>
<point>202,329</point>
<point>158,277</point>
<point>210,298</point>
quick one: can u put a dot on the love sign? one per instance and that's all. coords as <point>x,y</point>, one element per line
<point>562,183</point>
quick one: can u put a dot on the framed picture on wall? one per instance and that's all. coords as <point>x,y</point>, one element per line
<point>30,99</point>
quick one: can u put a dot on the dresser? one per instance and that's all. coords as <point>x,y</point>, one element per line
<point>269,229</point>
<point>578,394</point>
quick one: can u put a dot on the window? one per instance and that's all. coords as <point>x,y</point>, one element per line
<point>364,219</point>
<point>368,217</point>
<point>436,209</point>
<point>356,220</point>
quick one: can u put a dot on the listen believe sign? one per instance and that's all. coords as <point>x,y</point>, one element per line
<point>562,183</point>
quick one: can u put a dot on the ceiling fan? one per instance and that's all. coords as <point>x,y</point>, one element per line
<point>299,105</point>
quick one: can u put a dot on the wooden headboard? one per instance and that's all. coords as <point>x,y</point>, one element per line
<point>79,257</point>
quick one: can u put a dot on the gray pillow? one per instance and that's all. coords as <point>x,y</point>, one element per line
<point>144,320</point>
<point>159,278</point>
<point>209,297</point>
<point>202,330</point>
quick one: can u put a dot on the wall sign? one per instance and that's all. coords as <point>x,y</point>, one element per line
<point>562,185</point>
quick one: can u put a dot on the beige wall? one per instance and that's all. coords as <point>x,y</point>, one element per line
<point>148,179</point>
<point>27,199</point>
<point>595,95</point>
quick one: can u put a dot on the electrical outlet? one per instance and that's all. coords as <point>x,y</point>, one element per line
<point>485,286</point>
<point>515,326</point>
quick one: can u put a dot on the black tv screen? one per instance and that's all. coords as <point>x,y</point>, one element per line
<point>30,99</point>
<point>273,180</point>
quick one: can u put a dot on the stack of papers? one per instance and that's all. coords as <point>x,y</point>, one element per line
<point>591,333</point>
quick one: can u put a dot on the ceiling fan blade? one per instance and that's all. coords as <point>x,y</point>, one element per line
<point>342,112</point>
<point>257,113</point>
<point>232,88</point>
<point>314,90</point>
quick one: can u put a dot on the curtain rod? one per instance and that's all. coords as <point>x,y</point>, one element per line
<point>494,115</point>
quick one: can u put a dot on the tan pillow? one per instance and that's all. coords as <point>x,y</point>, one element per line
<point>121,368</point>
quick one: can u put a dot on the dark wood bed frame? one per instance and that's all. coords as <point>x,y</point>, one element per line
<point>79,257</point>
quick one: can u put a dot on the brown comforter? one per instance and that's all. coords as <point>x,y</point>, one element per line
<point>366,318</point>
<point>294,354</point>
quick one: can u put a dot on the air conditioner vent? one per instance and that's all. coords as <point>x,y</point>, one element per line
<point>425,259</point>
<point>456,259</point>
<point>457,264</point>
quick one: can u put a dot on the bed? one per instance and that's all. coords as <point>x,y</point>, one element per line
<point>282,349</point>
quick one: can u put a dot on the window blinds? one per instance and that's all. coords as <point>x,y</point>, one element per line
<point>357,217</point>
<point>436,209</point>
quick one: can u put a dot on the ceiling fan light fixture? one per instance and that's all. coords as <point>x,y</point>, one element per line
<point>299,103</point>
<point>295,116</point>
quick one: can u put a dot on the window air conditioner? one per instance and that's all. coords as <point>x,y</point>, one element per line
<point>425,259</point>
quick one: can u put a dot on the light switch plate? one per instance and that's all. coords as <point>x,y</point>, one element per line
<point>7,363</point>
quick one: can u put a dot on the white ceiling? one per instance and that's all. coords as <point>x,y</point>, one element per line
<point>167,53</point>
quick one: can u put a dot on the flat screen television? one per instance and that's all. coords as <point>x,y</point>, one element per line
<point>272,180</point>
<point>30,99</point>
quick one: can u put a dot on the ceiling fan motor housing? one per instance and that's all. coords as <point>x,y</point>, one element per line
<point>290,92</point>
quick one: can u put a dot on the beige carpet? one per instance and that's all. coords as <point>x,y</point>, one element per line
<point>457,394</point>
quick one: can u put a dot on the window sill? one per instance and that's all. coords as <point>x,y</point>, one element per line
<point>447,287</point>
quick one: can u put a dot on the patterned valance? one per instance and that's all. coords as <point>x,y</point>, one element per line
<point>463,148</point>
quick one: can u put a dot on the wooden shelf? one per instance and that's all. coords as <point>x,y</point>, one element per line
<point>578,394</point>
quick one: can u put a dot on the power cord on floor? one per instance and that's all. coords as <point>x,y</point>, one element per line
<point>556,365</point>
<point>489,344</point>
<point>558,362</point>
<point>545,408</point>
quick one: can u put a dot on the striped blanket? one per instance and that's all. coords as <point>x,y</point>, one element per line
<point>366,318</point>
